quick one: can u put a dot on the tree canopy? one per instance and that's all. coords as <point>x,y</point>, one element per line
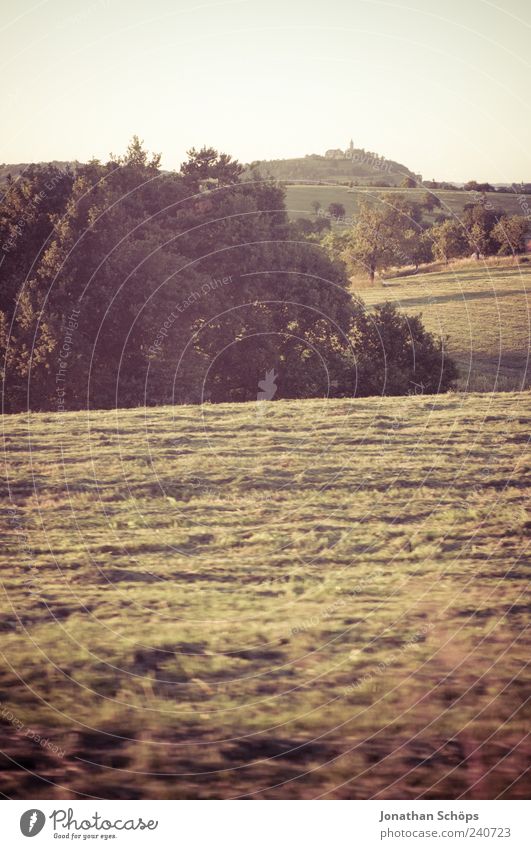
<point>126,285</point>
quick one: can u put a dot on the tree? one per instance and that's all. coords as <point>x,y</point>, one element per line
<point>29,208</point>
<point>316,206</point>
<point>408,183</point>
<point>448,240</point>
<point>479,219</point>
<point>136,156</point>
<point>336,210</point>
<point>393,354</point>
<point>473,186</point>
<point>431,202</point>
<point>163,291</point>
<point>510,233</point>
<point>207,163</point>
<point>384,235</point>
<point>415,247</point>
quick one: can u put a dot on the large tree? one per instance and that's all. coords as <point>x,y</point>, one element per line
<point>29,210</point>
<point>509,233</point>
<point>384,235</point>
<point>448,240</point>
<point>157,288</point>
<point>479,220</point>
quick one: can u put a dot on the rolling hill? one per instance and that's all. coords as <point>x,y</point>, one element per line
<point>299,199</point>
<point>359,166</point>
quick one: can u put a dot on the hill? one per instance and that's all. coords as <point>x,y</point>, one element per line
<point>299,199</point>
<point>484,310</point>
<point>359,167</point>
<point>307,599</point>
<point>356,165</point>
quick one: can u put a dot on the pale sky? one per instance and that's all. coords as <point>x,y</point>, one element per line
<point>443,87</point>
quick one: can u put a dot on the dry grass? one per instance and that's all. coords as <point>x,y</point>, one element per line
<point>325,599</point>
<point>299,199</point>
<point>484,311</point>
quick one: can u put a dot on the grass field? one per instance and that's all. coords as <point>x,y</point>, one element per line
<point>303,599</point>
<point>485,312</point>
<point>299,199</point>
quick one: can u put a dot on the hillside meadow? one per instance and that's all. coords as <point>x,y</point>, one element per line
<point>483,309</point>
<point>296,599</point>
<point>299,199</point>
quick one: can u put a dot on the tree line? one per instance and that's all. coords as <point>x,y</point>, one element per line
<point>125,285</point>
<point>394,232</point>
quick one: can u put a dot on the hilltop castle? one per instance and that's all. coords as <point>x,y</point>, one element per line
<point>336,153</point>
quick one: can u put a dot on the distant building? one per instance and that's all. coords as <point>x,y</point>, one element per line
<point>336,153</point>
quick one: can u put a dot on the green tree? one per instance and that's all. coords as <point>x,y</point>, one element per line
<point>448,240</point>
<point>207,163</point>
<point>384,235</point>
<point>473,186</point>
<point>336,210</point>
<point>431,201</point>
<point>479,220</point>
<point>509,233</point>
<point>178,290</point>
<point>29,209</point>
<point>393,354</point>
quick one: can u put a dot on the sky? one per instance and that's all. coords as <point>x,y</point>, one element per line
<point>442,87</point>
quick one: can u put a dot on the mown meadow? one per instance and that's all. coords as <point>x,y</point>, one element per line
<point>483,310</point>
<point>295,599</point>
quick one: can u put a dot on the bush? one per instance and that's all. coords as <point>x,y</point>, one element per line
<point>397,356</point>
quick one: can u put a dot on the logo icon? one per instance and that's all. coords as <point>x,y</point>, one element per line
<point>31,822</point>
<point>267,386</point>
<point>267,390</point>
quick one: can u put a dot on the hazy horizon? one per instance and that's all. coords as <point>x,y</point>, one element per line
<point>444,93</point>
